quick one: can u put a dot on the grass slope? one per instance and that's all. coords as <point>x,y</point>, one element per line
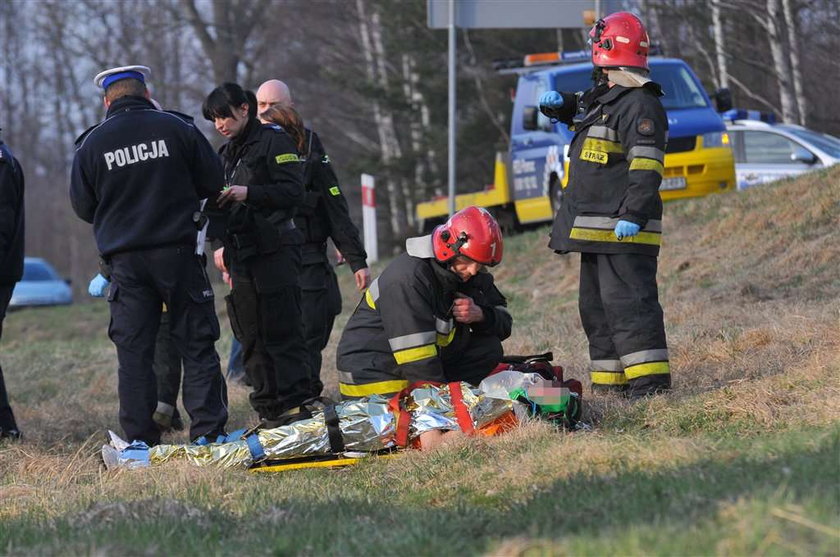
<point>742,458</point>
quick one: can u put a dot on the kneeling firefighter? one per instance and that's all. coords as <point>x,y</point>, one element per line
<point>434,314</point>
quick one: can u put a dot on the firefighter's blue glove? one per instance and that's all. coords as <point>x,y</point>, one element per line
<point>98,286</point>
<point>551,99</point>
<point>626,229</point>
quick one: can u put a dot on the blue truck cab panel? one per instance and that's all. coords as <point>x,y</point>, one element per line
<point>698,159</point>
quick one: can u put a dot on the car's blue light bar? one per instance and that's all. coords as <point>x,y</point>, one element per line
<point>744,114</point>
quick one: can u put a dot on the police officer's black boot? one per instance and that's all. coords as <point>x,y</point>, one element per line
<point>288,417</point>
<point>12,434</point>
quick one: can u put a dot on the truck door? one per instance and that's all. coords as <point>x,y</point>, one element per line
<point>534,152</point>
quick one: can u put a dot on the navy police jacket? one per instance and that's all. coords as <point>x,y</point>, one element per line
<point>11,218</point>
<point>138,177</point>
<point>263,158</point>
<point>615,169</point>
<point>324,212</point>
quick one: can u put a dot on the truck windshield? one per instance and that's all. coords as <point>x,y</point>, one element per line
<point>679,86</point>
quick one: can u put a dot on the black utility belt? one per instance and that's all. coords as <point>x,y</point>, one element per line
<point>285,225</point>
<point>245,240</point>
<point>314,247</point>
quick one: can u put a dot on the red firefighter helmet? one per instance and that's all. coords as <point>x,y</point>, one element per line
<point>620,39</point>
<point>471,232</point>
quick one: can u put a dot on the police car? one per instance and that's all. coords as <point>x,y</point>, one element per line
<point>766,151</point>
<point>41,285</point>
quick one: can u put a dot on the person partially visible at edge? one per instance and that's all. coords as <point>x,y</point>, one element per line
<point>138,176</point>
<point>11,262</point>
<point>433,315</point>
<point>611,211</point>
<point>323,215</point>
<point>262,254</point>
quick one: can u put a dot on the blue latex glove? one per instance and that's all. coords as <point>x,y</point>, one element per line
<point>98,286</point>
<point>551,99</point>
<point>626,229</point>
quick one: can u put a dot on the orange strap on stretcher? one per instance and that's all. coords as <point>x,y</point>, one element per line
<point>403,416</point>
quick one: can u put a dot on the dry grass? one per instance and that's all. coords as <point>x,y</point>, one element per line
<point>737,460</point>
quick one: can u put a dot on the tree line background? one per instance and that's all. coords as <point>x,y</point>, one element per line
<point>368,75</point>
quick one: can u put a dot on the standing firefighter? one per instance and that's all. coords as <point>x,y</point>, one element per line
<point>138,177</point>
<point>612,211</point>
<point>322,215</point>
<point>434,314</point>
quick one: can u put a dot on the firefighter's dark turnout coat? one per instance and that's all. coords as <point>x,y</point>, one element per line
<point>616,166</point>
<point>402,331</point>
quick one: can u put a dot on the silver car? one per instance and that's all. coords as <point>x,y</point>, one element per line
<point>41,285</point>
<point>765,152</point>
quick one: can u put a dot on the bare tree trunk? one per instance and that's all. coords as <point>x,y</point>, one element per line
<point>781,62</point>
<point>414,98</point>
<point>389,147</point>
<point>793,42</point>
<point>720,48</point>
<point>233,23</point>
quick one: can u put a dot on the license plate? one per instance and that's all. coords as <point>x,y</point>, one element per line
<point>672,184</point>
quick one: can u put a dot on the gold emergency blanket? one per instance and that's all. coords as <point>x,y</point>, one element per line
<point>367,425</point>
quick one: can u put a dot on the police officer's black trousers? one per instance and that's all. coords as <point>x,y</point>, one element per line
<point>320,303</point>
<point>142,281</point>
<point>620,311</point>
<point>265,315</point>
<point>473,360</point>
<point>7,418</point>
<point>167,368</point>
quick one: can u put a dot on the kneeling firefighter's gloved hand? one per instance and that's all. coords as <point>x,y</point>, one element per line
<point>98,286</point>
<point>626,229</point>
<point>551,99</point>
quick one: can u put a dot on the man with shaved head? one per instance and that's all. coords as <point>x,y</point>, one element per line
<point>323,215</point>
<point>273,92</point>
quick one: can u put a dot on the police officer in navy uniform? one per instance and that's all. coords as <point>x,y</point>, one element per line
<point>262,254</point>
<point>612,212</point>
<point>138,177</point>
<point>11,261</point>
<point>323,215</point>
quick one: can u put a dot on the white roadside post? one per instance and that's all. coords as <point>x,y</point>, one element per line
<point>369,218</point>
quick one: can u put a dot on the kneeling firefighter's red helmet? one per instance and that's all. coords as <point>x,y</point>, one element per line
<point>471,232</point>
<point>620,39</point>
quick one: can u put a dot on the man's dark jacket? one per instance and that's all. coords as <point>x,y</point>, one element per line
<point>11,218</point>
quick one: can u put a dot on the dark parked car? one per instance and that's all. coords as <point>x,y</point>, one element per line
<point>41,285</point>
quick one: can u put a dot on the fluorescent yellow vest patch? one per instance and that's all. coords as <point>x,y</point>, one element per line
<point>287,157</point>
<point>594,156</point>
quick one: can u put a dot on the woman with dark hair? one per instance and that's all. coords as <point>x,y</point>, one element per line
<point>262,253</point>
